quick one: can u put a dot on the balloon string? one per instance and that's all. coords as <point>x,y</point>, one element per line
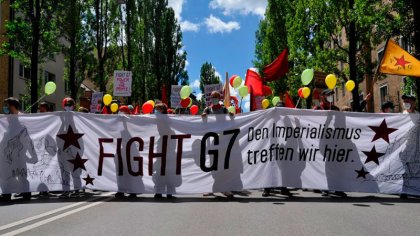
<point>43,96</point>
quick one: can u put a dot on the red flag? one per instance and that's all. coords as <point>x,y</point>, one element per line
<point>105,110</point>
<point>254,82</point>
<point>278,68</point>
<point>267,91</point>
<point>288,101</point>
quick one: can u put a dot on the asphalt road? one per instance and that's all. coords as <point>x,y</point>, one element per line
<point>306,213</point>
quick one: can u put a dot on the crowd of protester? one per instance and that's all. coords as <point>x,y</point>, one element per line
<point>12,106</point>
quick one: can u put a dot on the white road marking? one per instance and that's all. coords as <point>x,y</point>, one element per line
<point>48,220</point>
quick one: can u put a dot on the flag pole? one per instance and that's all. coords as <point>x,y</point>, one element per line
<point>297,104</point>
<point>381,59</point>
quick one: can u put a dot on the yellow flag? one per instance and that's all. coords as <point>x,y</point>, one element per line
<point>397,61</point>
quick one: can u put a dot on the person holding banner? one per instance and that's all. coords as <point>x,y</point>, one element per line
<point>409,104</point>
<point>215,107</point>
<point>387,107</point>
<point>43,107</point>
<point>164,184</point>
<point>327,101</point>
<point>15,145</point>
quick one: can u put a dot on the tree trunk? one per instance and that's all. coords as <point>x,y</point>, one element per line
<point>352,59</point>
<point>35,18</point>
<point>416,16</point>
<point>129,6</point>
<point>73,50</point>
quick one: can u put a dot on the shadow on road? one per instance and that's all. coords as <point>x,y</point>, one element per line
<point>277,199</point>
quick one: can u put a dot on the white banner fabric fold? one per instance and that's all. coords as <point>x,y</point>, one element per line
<point>328,150</point>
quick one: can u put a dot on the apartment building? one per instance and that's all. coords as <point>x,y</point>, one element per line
<point>383,88</point>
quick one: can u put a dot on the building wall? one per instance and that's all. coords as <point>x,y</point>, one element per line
<point>4,60</point>
<point>54,67</point>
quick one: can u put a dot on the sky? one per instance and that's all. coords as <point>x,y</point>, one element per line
<point>221,32</point>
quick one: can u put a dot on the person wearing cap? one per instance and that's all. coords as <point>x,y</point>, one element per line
<point>387,107</point>
<point>43,107</point>
<point>83,110</point>
<point>409,104</point>
<point>68,104</point>
<point>11,106</point>
<point>327,101</point>
<point>124,110</point>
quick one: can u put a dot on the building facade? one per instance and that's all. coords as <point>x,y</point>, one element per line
<point>383,88</point>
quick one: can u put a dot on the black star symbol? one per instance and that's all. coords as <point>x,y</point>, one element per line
<point>70,138</point>
<point>88,180</point>
<point>362,173</point>
<point>382,131</point>
<point>373,156</point>
<point>78,163</point>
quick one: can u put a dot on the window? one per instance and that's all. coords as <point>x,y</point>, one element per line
<point>383,91</point>
<point>405,43</point>
<point>48,77</point>
<point>380,54</point>
<point>24,72</point>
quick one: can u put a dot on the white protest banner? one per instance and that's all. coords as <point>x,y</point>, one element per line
<point>188,154</point>
<point>94,101</point>
<point>210,88</point>
<point>175,96</point>
<point>122,83</point>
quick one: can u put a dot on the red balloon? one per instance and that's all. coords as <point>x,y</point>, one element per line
<point>232,79</point>
<point>185,102</point>
<point>194,109</point>
<point>147,108</point>
<point>300,93</point>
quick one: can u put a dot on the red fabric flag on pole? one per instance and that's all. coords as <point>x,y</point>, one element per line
<point>255,86</point>
<point>278,68</point>
<point>254,82</point>
<point>288,101</point>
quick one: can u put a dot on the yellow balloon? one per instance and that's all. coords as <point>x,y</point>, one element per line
<point>306,92</point>
<point>265,103</point>
<point>331,81</point>
<point>151,102</point>
<point>107,99</point>
<point>350,85</point>
<point>114,107</point>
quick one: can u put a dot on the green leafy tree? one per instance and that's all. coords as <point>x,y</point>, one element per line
<point>316,37</point>
<point>208,75</point>
<point>404,20</point>
<point>271,39</point>
<point>33,36</point>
